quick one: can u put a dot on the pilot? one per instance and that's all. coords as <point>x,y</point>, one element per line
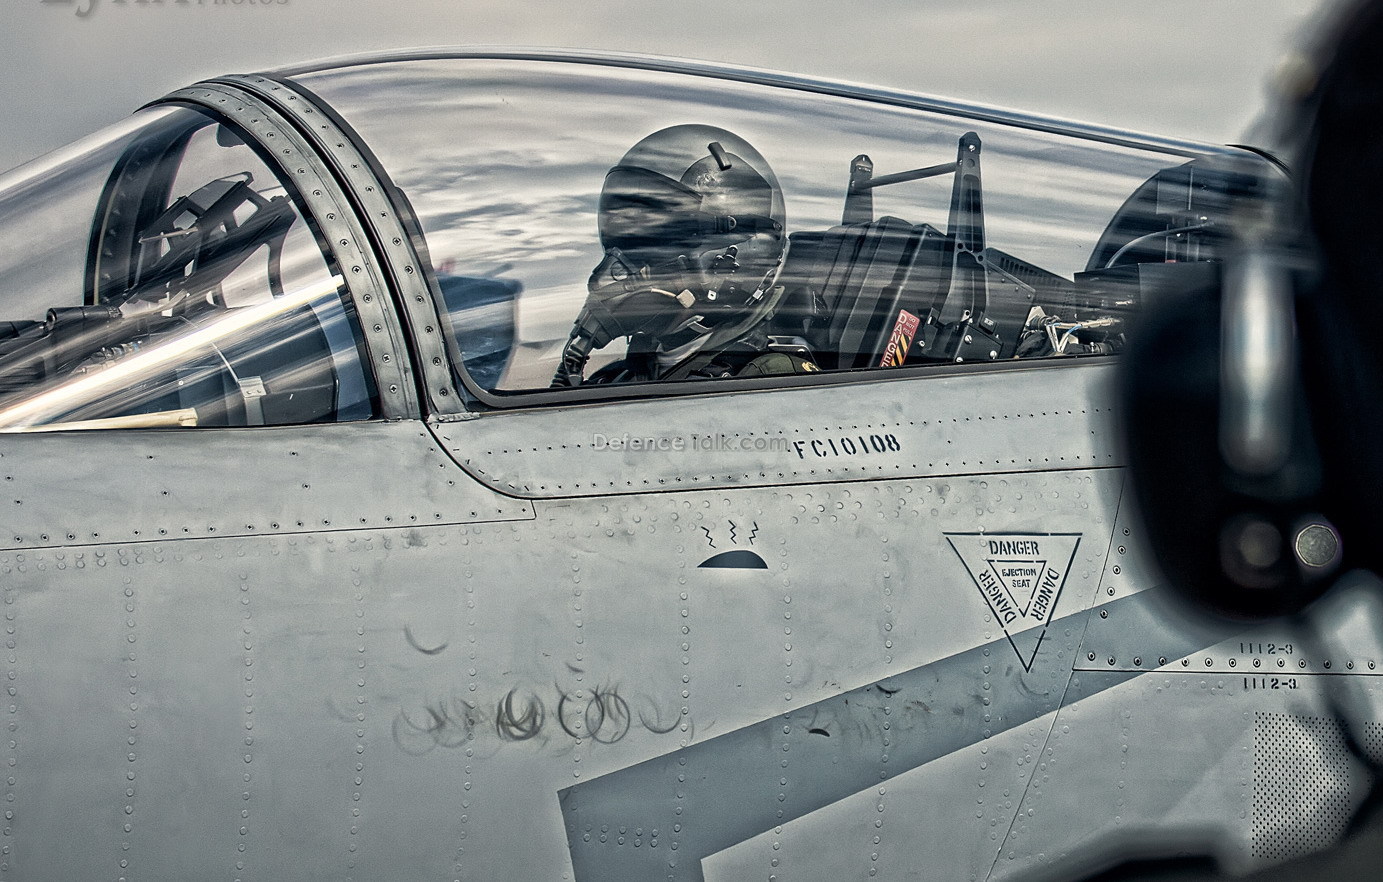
<point>692,223</point>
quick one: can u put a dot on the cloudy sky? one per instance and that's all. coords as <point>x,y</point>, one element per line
<point>1189,68</point>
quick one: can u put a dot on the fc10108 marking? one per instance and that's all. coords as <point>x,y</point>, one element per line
<point>847,445</point>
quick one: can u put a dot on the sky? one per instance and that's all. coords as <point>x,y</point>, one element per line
<point>1185,68</point>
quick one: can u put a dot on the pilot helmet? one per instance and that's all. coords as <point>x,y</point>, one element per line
<point>695,211</point>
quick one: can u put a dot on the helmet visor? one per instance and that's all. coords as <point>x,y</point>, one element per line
<point>640,209</point>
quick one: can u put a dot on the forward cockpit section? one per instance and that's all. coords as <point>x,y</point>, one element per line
<point>170,277</point>
<point>591,226</point>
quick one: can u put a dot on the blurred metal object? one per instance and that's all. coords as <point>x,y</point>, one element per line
<point>1317,545</point>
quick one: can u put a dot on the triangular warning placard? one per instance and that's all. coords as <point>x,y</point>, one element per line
<point>1020,576</point>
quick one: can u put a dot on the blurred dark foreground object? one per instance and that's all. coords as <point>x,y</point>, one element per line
<point>1252,414</point>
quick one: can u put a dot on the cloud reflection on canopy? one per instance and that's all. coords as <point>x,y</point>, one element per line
<point>503,161</point>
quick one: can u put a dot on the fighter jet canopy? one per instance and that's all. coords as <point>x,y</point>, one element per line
<point>395,236</point>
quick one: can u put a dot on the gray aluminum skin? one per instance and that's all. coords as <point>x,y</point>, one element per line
<point>482,649</point>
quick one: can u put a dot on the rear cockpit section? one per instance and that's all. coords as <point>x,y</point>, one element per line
<point>593,225</point>
<point>1172,235</point>
<point>172,278</point>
